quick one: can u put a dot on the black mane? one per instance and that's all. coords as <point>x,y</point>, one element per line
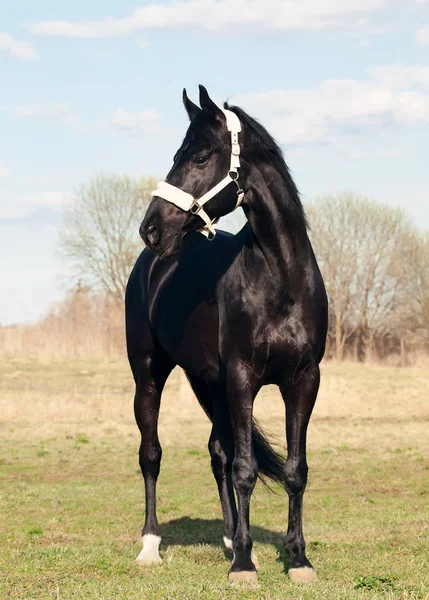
<point>268,151</point>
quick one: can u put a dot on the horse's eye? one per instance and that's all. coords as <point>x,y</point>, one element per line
<point>200,160</point>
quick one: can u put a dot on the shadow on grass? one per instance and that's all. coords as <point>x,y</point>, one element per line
<point>189,532</point>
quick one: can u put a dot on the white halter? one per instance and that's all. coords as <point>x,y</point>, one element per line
<point>188,203</point>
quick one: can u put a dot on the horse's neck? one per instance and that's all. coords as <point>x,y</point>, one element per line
<point>276,223</point>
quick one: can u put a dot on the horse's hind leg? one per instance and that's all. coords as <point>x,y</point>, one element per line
<point>150,372</point>
<point>299,399</point>
<point>213,399</point>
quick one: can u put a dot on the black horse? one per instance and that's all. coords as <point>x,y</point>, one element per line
<point>236,313</point>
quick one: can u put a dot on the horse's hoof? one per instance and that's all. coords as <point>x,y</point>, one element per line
<point>150,553</point>
<point>303,575</point>
<point>243,576</point>
<point>146,559</point>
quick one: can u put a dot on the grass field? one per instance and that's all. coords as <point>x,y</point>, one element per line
<point>71,493</point>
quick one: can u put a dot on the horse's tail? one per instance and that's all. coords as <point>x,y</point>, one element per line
<point>270,463</point>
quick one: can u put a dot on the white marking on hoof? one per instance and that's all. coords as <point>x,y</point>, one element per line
<point>228,546</point>
<point>243,576</point>
<point>255,561</point>
<point>227,542</point>
<point>303,575</point>
<point>150,554</point>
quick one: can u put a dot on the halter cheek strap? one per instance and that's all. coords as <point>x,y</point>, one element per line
<point>187,202</point>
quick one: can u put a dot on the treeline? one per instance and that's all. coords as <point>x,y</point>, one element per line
<point>374,260</point>
<point>375,263</point>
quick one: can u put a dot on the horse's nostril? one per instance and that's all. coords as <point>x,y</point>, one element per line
<point>152,234</point>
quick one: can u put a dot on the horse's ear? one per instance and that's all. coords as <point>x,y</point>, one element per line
<point>209,107</point>
<point>191,108</point>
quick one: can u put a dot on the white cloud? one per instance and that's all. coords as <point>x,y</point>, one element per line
<point>20,50</point>
<point>335,108</point>
<point>402,76</point>
<point>218,15</point>
<point>132,123</point>
<point>56,112</point>
<point>36,110</point>
<point>4,172</point>
<point>122,120</point>
<point>19,207</point>
<point>394,153</point>
<point>422,35</point>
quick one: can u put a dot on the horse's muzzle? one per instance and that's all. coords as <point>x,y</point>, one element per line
<point>150,234</point>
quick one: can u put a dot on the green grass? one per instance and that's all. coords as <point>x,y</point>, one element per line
<point>71,500</point>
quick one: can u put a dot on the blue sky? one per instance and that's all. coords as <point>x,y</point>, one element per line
<point>90,87</point>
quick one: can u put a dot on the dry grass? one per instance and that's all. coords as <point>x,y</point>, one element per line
<point>71,491</point>
<point>50,341</point>
<point>83,324</point>
<point>357,404</point>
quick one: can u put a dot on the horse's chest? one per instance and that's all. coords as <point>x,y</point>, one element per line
<point>190,335</point>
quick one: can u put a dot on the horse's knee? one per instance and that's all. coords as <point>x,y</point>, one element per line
<point>295,475</point>
<point>244,473</point>
<point>150,459</point>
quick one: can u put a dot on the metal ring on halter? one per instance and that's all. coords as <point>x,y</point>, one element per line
<point>195,208</point>
<point>235,173</point>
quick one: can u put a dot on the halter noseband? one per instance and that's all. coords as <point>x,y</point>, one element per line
<point>187,202</point>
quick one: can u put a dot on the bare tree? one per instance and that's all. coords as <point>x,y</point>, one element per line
<point>336,243</point>
<point>354,240</point>
<point>99,232</point>
<point>383,231</point>
<point>412,269</point>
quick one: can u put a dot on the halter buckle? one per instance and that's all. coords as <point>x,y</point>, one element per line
<point>195,208</point>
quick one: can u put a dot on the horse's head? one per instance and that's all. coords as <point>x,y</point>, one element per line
<point>190,198</point>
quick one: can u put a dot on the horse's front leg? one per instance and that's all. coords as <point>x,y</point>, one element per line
<point>150,379</point>
<point>241,390</point>
<point>299,399</point>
